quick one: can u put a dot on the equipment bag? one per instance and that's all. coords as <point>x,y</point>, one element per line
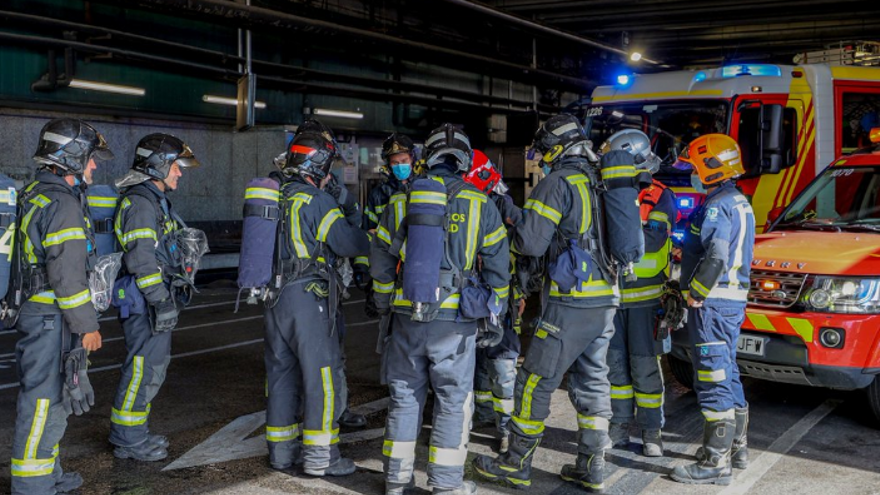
<point>571,267</point>
<point>127,297</point>
<point>8,198</point>
<point>620,200</point>
<point>102,201</point>
<point>258,235</point>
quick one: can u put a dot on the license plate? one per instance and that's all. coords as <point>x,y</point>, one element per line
<point>753,346</point>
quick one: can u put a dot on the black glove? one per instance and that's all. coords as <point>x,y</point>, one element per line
<point>362,278</point>
<point>345,200</point>
<point>77,395</point>
<point>489,333</point>
<point>370,308</point>
<point>166,315</point>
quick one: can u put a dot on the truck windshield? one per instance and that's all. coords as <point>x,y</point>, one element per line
<point>670,124</point>
<point>839,199</point>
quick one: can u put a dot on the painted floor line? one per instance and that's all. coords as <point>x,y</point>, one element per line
<point>764,463</point>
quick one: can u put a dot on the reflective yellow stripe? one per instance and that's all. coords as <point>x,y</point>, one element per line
<point>383,235</point>
<point>327,384</point>
<point>649,401</point>
<point>282,433</point>
<point>659,216</point>
<point>619,172</point>
<point>129,418</point>
<point>761,322</point>
<point>329,219</point>
<point>527,426</point>
<point>262,193</point>
<point>137,374</point>
<point>544,210</point>
<point>593,422</point>
<point>399,450</point>
<point>451,302</point>
<point>502,292</point>
<point>642,293</point>
<point>711,415</point>
<point>137,234</point>
<point>149,280</point>
<point>482,396</point>
<point>41,415</point>
<point>399,202</point>
<point>802,327</point>
<point>381,288</point>
<point>531,383</point>
<point>428,197</point>
<point>495,237</point>
<point>29,468</point>
<point>504,406</point>
<point>700,288</point>
<point>596,288</point>
<point>75,300</point>
<point>380,209</point>
<point>620,393</point>
<point>372,216</point>
<point>475,213</point>
<point>103,201</point>
<point>28,245</point>
<point>581,183</point>
<point>40,200</point>
<point>298,200</point>
<point>62,236</point>
<point>320,438</point>
<point>711,376</point>
<point>447,457</point>
<point>362,260</point>
<point>47,297</point>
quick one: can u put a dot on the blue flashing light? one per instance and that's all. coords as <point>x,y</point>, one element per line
<point>685,203</point>
<point>751,70</point>
<point>700,77</point>
<point>623,79</point>
<point>678,235</point>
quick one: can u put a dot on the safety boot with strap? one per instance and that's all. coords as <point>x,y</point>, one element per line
<point>588,471</point>
<point>739,456</point>
<point>514,467</point>
<point>714,467</point>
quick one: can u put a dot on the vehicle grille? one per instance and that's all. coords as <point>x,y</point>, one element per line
<point>790,287</point>
<point>773,372</point>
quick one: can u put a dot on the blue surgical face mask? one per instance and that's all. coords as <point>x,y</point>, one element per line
<point>546,169</point>
<point>697,184</point>
<point>401,170</point>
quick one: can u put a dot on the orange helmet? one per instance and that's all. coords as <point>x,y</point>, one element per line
<point>715,157</point>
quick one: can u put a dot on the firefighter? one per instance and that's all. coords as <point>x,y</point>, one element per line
<point>145,224</point>
<point>306,383</point>
<point>53,253</point>
<point>634,355</point>
<point>432,341</point>
<point>716,259</point>
<point>495,373</point>
<point>577,311</point>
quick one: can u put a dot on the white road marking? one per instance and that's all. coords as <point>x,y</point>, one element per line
<point>744,481</point>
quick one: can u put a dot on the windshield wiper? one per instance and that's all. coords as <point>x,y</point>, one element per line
<point>811,225</point>
<point>873,227</point>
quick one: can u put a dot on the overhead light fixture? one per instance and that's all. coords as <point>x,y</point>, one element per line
<point>107,88</point>
<point>222,100</point>
<point>635,56</point>
<point>342,114</point>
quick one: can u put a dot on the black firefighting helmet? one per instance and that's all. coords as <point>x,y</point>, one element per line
<point>556,136</point>
<point>69,144</point>
<point>312,151</point>
<point>449,142</point>
<point>397,143</point>
<point>154,156</point>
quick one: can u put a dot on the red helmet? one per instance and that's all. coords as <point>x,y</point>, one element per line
<point>484,175</point>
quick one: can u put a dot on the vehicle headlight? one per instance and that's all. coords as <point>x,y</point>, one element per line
<point>844,295</point>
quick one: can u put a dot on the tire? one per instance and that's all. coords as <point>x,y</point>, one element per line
<point>874,399</point>
<point>683,371</point>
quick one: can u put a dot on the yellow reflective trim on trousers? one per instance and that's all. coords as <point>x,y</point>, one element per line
<point>29,468</point>
<point>544,210</point>
<point>482,396</point>
<point>62,236</point>
<point>596,288</point>
<point>642,293</point>
<point>362,260</point>
<point>711,376</point>
<point>502,292</point>
<point>129,418</point>
<point>621,393</point>
<point>75,300</point>
<point>495,237</point>
<point>38,425</point>
<point>447,457</point>
<point>327,384</point>
<point>593,423</point>
<point>282,433</point>
<point>700,288</point>
<point>473,230</point>
<point>137,234</point>
<point>531,383</point>
<point>320,438</point>
<point>711,415</point>
<point>47,297</point>
<point>262,193</point>
<point>399,450</point>
<point>619,172</point>
<point>581,183</point>
<point>149,280</point>
<point>137,374</point>
<point>527,426</point>
<point>649,401</point>
<point>381,288</point>
<point>383,235</point>
<point>327,222</point>
<point>451,302</point>
<point>299,245</point>
<point>428,197</point>
<point>504,406</point>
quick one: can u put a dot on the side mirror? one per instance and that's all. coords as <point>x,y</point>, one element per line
<point>773,142</point>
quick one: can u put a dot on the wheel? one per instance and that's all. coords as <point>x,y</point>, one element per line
<point>683,371</point>
<point>874,398</point>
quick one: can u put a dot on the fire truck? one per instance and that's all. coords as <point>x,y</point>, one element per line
<point>813,316</point>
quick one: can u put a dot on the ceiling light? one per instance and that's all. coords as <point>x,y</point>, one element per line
<point>635,56</point>
<point>337,113</point>
<point>222,100</point>
<point>107,88</point>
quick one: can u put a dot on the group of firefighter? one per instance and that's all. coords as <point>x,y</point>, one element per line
<point>447,261</point>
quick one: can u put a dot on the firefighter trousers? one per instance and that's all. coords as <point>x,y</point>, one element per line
<point>713,331</point>
<point>40,418</point>
<point>143,373</point>
<point>439,355</point>
<point>305,380</point>
<point>634,368</point>
<point>573,340</point>
<point>495,380</point>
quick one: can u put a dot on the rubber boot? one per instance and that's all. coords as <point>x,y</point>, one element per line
<point>145,452</point>
<point>619,433</point>
<point>392,488</point>
<point>159,440</point>
<point>466,488</point>
<point>739,456</point>
<point>588,471</point>
<point>296,458</point>
<point>652,443</point>
<point>352,420</point>
<point>68,483</point>
<point>715,467</point>
<point>342,467</point>
<point>514,467</point>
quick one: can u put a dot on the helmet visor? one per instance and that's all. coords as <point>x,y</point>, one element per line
<point>102,151</point>
<point>186,158</point>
